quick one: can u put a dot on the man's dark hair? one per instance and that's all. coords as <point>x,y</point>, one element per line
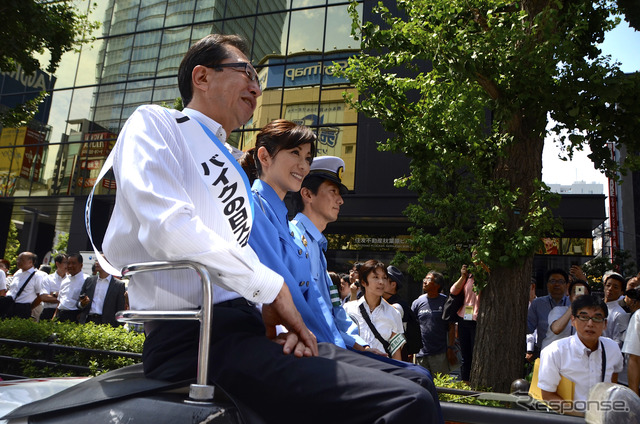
<point>209,51</point>
<point>617,277</point>
<point>438,278</point>
<point>59,258</point>
<point>588,301</point>
<point>78,257</point>
<point>556,271</point>
<point>312,183</point>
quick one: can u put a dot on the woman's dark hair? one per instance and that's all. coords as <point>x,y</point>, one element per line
<point>276,136</point>
<point>335,278</point>
<point>209,51</point>
<point>368,267</point>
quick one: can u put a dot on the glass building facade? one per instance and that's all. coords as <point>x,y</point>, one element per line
<point>48,167</point>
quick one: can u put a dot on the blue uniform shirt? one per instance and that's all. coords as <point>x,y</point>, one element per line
<point>316,244</point>
<point>279,245</point>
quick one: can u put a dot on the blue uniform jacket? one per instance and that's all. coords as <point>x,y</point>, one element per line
<point>279,246</point>
<point>317,243</point>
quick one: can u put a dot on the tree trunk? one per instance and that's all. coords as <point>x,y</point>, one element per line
<point>500,344</point>
<point>498,354</point>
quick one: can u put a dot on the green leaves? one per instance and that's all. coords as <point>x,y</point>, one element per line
<point>431,78</point>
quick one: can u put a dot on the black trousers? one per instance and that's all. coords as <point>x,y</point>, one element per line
<point>47,313</point>
<point>338,386</point>
<point>21,310</point>
<point>68,315</point>
<point>467,336</point>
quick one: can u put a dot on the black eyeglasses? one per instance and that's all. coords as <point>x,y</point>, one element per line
<point>248,69</point>
<point>597,319</point>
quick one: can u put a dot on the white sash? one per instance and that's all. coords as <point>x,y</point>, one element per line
<point>226,180</point>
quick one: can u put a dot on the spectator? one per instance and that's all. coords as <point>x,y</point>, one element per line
<point>4,269</point>
<point>409,320</point>
<point>345,292</point>
<point>618,320</point>
<point>540,307</point>
<point>51,287</point>
<point>24,289</point>
<point>531,337</point>
<point>163,185</point>
<point>632,283</point>
<point>354,279</point>
<point>380,323</point>
<point>631,346</point>
<point>101,297</point>
<point>560,316</point>
<point>70,290</point>
<point>438,335</point>
<point>585,358</point>
<point>468,314</point>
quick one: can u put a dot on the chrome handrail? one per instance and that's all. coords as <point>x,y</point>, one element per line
<point>201,391</point>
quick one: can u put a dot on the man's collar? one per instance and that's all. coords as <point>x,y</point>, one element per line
<point>214,126</point>
<point>313,231</point>
<point>581,347</point>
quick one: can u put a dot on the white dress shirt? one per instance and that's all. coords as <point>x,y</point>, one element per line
<point>567,331</point>
<point>617,322</point>
<point>51,285</point>
<point>385,317</point>
<point>3,280</point>
<point>165,211</point>
<point>31,290</point>
<point>69,292</point>
<point>632,337</point>
<point>100,291</point>
<point>571,359</point>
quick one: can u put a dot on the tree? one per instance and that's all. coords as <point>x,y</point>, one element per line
<point>32,27</point>
<point>13,246</point>
<point>467,88</point>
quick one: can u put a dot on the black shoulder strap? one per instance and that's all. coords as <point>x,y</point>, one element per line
<point>373,328</point>
<point>604,360</point>
<point>24,285</point>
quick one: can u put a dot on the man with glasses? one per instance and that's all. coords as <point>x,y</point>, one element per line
<point>584,358</point>
<point>537,317</point>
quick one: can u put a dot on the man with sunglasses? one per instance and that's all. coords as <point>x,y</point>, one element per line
<point>585,358</point>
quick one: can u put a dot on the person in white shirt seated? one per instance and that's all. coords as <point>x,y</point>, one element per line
<point>380,323</point>
<point>560,316</point>
<point>585,358</point>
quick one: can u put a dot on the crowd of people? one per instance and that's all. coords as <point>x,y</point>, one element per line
<point>67,294</point>
<point>184,194</point>
<point>582,337</point>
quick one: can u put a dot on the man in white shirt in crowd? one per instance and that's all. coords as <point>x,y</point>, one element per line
<point>51,287</point>
<point>631,346</point>
<point>70,289</point>
<point>618,320</point>
<point>181,195</point>
<point>560,317</point>
<point>3,278</point>
<point>585,358</point>
<point>25,286</point>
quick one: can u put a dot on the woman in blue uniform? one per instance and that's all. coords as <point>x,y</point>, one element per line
<point>280,161</point>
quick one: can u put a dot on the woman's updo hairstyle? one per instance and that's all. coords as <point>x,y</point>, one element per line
<point>275,136</point>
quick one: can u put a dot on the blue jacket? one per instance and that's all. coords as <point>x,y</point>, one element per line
<point>317,245</point>
<point>279,245</point>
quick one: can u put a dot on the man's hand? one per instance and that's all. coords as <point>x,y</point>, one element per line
<point>463,272</point>
<point>577,273</point>
<point>84,300</point>
<point>282,311</point>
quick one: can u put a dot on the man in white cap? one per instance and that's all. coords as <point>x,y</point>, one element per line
<point>318,203</point>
